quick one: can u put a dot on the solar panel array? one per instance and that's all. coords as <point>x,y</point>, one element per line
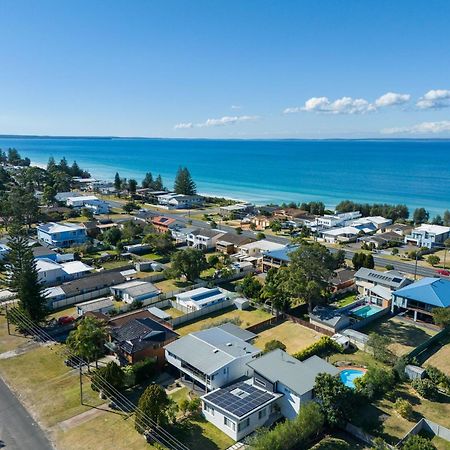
<point>224,399</point>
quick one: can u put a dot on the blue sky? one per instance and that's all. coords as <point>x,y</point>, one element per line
<point>225,69</point>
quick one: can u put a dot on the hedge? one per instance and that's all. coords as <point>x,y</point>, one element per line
<point>323,347</point>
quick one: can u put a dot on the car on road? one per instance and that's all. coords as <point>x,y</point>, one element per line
<point>444,272</point>
<point>66,320</point>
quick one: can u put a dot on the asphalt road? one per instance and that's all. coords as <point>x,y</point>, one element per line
<point>18,430</point>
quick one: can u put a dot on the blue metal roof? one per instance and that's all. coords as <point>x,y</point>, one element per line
<point>432,291</point>
<point>282,254</point>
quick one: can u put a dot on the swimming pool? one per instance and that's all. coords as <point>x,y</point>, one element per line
<point>365,311</point>
<point>348,376</point>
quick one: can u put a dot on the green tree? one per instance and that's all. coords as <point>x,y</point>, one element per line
<point>189,263</point>
<point>23,278</point>
<point>420,215</point>
<point>112,236</point>
<point>162,244</point>
<point>379,344</point>
<point>154,404</point>
<point>417,442</point>
<point>275,226</point>
<point>49,194</point>
<point>132,185</point>
<point>129,206</point>
<point>111,374</point>
<point>87,340</point>
<point>147,182</point>
<point>446,218</point>
<point>272,345</point>
<point>434,260</point>
<point>375,382</point>
<point>335,399</point>
<point>404,408</point>
<point>158,185</point>
<point>184,184</point>
<point>250,287</point>
<point>117,182</point>
<point>441,317</point>
<point>87,212</point>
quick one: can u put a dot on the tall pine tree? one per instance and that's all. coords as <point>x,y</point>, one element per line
<point>184,184</point>
<point>23,277</point>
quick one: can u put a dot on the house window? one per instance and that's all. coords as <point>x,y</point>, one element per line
<point>229,423</point>
<point>262,413</point>
<point>244,424</point>
<point>209,409</point>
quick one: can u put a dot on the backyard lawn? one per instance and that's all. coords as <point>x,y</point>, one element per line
<point>249,317</point>
<point>441,359</point>
<point>405,335</point>
<point>295,336</point>
<point>171,285</point>
<point>346,300</point>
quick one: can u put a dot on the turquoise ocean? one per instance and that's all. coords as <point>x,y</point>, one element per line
<point>413,172</point>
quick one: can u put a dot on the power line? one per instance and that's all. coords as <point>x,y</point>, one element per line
<point>157,432</point>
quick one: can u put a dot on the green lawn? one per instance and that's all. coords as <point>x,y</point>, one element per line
<point>46,385</point>
<point>346,300</point>
<point>404,335</point>
<point>171,285</point>
<point>12,341</point>
<point>249,317</point>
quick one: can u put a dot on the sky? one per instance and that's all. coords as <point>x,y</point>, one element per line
<point>226,68</point>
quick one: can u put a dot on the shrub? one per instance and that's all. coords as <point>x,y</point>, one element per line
<point>380,347</point>
<point>324,346</point>
<point>375,382</point>
<point>418,443</point>
<point>143,370</point>
<point>425,388</point>
<point>404,408</point>
<point>330,443</point>
<point>272,345</point>
<point>439,378</point>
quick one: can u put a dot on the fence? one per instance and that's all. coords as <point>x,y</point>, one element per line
<point>80,298</point>
<point>364,322</point>
<point>429,427</point>
<point>421,352</point>
<point>258,327</point>
<point>309,325</point>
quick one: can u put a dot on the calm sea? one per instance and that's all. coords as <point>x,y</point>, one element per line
<point>414,172</point>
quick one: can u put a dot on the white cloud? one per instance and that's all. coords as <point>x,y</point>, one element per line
<point>344,105</point>
<point>183,125</point>
<point>236,107</point>
<point>421,128</point>
<point>392,99</point>
<point>349,105</point>
<point>222,121</point>
<point>436,98</point>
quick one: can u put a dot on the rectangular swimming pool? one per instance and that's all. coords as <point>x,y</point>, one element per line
<point>365,311</point>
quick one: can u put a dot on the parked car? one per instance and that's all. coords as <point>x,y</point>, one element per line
<point>444,272</point>
<point>66,320</point>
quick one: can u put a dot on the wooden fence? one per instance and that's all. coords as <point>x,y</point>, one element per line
<point>309,325</point>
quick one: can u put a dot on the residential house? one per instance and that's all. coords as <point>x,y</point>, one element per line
<point>428,236</point>
<point>229,243</point>
<point>40,252</point>
<point>253,252</point>
<point>343,280</point>
<point>180,201</point>
<point>329,318</point>
<point>135,291</point>
<point>100,305</point>
<point>162,224</point>
<point>91,202</point>
<point>52,272</point>
<point>336,220</point>
<point>345,234</point>
<point>82,289</point>
<point>277,258</point>
<point>136,336</point>
<point>418,300</point>
<point>381,240</point>
<point>262,222</point>
<point>378,286</point>
<point>378,222</point>
<point>92,229</point>
<point>400,228</point>
<point>180,234</point>
<point>280,387</point>
<point>237,211</point>
<point>212,358</point>
<point>61,235</point>
<point>200,298</point>
<point>204,238</point>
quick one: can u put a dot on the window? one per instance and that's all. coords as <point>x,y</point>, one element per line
<point>209,409</point>
<point>244,424</point>
<point>262,413</point>
<point>260,382</point>
<point>229,423</point>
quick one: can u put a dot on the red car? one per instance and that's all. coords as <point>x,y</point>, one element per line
<point>444,272</point>
<point>65,320</point>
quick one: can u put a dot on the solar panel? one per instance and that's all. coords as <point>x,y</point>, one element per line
<point>232,400</point>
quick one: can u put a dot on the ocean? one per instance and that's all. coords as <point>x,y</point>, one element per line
<point>413,172</point>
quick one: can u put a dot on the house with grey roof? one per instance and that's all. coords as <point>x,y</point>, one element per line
<point>279,387</point>
<point>329,318</point>
<point>203,238</point>
<point>211,358</point>
<point>135,290</point>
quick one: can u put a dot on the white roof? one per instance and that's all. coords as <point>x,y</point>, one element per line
<point>55,291</point>
<point>372,219</point>
<point>53,227</point>
<point>435,229</point>
<point>129,284</point>
<point>75,267</point>
<point>262,245</point>
<point>45,264</point>
<point>188,294</point>
<point>82,198</point>
<point>341,231</point>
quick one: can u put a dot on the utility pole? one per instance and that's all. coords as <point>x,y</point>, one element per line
<point>7,317</point>
<point>81,383</point>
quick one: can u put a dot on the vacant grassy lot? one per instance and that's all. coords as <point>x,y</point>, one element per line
<point>9,342</point>
<point>293,335</point>
<point>249,317</point>
<point>441,359</point>
<point>46,385</point>
<point>171,285</point>
<point>404,335</point>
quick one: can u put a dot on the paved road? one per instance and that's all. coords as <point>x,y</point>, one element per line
<point>18,430</point>
<point>379,260</point>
